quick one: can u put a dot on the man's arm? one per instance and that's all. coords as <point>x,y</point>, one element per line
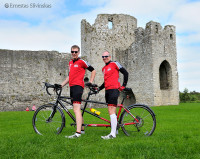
<point>102,86</point>
<point>93,73</point>
<point>125,73</point>
<point>65,81</point>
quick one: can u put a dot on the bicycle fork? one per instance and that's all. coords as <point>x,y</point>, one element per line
<point>51,115</point>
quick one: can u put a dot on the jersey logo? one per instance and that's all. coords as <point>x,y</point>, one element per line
<point>75,65</point>
<point>109,69</point>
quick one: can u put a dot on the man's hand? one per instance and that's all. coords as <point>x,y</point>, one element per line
<point>88,84</point>
<point>121,88</point>
<point>58,85</point>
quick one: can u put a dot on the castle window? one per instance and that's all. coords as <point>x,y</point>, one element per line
<point>171,37</point>
<point>110,24</point>
<point>156,28</point>
<point>165,75</point>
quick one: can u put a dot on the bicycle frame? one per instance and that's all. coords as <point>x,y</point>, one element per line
<point>62,99</point>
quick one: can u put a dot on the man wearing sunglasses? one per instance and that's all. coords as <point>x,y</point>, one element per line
<point>112,87</point>
<point>77,68</point>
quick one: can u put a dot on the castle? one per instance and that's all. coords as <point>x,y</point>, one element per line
<point>148,54</point>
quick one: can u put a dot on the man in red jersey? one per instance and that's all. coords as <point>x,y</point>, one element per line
<point>77,68</point>
<point>112,86</point>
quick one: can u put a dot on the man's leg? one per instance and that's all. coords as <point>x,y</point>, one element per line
<point>113,120</point>
<point>77,111</point>
<point>76,94</point>
<point>111,98</point>
<point>79,118</point>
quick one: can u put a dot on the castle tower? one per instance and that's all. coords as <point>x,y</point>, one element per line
<point>164,61</point>
<point>108,33</point>
<point>148,54</point>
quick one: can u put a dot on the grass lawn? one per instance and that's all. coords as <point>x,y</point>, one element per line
<point>177,135</point>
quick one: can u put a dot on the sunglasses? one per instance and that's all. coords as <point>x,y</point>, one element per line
<point>74,52</point>
<point>104,56</point>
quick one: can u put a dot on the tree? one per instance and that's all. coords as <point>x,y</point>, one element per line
<point>185,96</point>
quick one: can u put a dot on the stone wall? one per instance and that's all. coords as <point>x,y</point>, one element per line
<point>23,73</point>
<point>152,62</point>
<point>99,37</point>
<point>148,54</point>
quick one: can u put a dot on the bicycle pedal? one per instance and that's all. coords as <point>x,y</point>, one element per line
<point>73,124</point>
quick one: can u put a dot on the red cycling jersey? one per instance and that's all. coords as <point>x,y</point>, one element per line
<point>111,75</point>
<point>77,72</point>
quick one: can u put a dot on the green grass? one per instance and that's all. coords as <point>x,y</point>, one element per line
<point>177,135</point>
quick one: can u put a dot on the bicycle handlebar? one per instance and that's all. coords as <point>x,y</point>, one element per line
<point>56,87</point>
<point>92,87</point>
<point>127,89</point>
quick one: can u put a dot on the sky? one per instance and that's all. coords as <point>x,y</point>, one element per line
<point>55,25</point>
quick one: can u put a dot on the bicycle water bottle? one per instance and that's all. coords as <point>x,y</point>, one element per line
<point>95,111</point>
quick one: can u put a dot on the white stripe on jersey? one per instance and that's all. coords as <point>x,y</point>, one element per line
<point>118,64</point>
<point>85,62</point>
<point>69,68</point>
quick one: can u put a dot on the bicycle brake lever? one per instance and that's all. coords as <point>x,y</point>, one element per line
<point>48,91</point>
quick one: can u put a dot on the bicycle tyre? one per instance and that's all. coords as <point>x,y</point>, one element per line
<point>43,127</point>
<point>146,117</point>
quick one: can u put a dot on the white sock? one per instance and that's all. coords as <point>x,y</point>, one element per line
<point>82,131</point>
<point>113,119</point>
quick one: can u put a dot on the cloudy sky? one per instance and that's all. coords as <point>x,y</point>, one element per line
<point>56,26</point>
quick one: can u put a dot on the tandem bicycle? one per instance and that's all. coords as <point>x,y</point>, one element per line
<point>134,119</point>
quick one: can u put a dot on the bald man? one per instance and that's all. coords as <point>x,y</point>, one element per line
<point>112,88</point>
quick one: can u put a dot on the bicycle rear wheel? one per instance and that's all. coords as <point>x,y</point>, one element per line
<point>44,123</point>
<point>146,121</point>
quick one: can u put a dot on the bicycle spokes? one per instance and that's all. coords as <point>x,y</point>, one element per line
<point>143,123</point>
<point>48,121</point>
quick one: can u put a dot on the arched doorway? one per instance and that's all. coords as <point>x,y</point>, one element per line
<point>165,75</point>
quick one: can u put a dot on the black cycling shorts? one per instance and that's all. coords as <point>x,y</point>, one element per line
<point>112,97</point>
<point>76,93</point>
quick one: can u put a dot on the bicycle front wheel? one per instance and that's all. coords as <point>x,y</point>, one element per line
<point>47,120</point>
<point>139,121</point>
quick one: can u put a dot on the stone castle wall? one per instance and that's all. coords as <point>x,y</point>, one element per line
<point>149,55</point>
<point>97,38</point>
<point>22,74</point>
